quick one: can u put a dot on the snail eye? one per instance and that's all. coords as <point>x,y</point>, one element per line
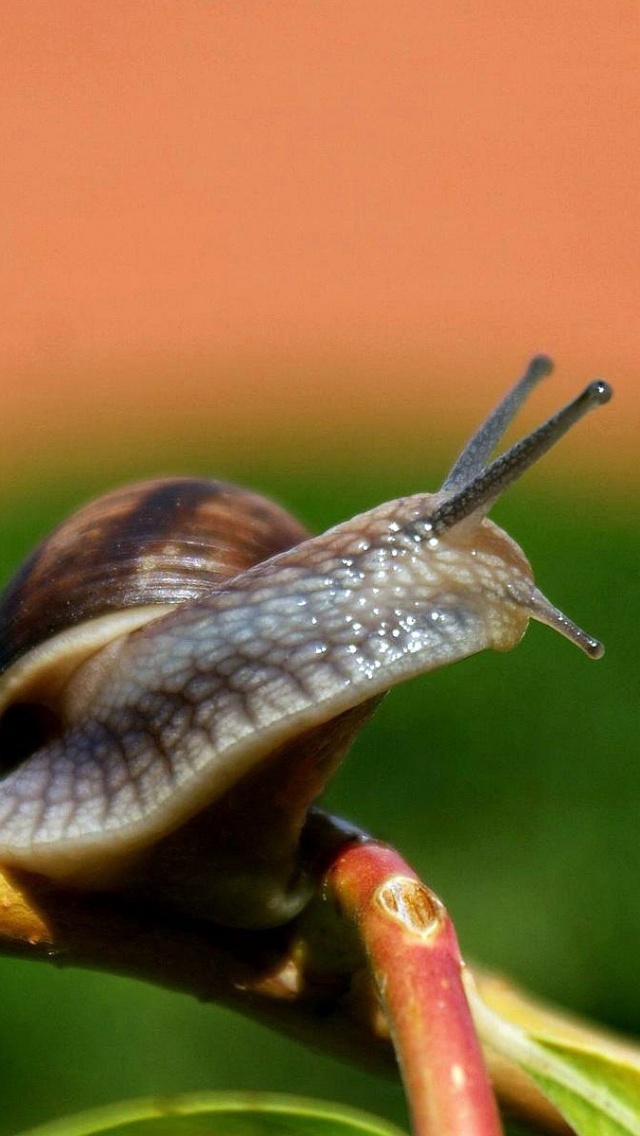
<point>24,728</point>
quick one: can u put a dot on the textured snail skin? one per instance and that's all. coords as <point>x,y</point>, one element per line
<point>208,666</point>
<point>183,709</point>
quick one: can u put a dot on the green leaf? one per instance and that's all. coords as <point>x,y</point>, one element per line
<point>598,1095</point>
<point>591,1077</point>
<point>220,1114</point>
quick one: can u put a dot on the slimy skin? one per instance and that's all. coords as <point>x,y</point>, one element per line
<point>168,727</point>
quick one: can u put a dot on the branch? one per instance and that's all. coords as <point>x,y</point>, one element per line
<point>310,979</point>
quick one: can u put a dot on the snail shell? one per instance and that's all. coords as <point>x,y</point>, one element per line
<point>115,565</point>
<point>118,563</point>
<point>182,668</point>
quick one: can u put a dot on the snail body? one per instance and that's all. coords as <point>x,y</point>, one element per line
<point>183,668</point>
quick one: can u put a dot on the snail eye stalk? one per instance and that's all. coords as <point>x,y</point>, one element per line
<point>480,446</point>
<point>477,495</point>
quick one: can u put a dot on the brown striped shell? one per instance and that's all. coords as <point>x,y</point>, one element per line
<point>117,563</point>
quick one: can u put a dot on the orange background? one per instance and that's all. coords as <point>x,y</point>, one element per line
<point>312,220</point>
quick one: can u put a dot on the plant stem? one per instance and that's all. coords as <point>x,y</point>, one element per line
<point>415,959</point>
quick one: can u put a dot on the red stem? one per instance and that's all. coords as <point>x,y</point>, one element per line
<point>415,959</point>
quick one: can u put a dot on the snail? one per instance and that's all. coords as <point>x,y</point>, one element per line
<point>182,667</point>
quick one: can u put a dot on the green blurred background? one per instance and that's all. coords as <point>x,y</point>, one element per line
<point>511,782</point>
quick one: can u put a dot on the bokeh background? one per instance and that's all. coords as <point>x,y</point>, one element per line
<point>305,246</point>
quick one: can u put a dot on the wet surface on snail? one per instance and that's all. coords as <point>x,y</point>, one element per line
<point>202,696</point>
